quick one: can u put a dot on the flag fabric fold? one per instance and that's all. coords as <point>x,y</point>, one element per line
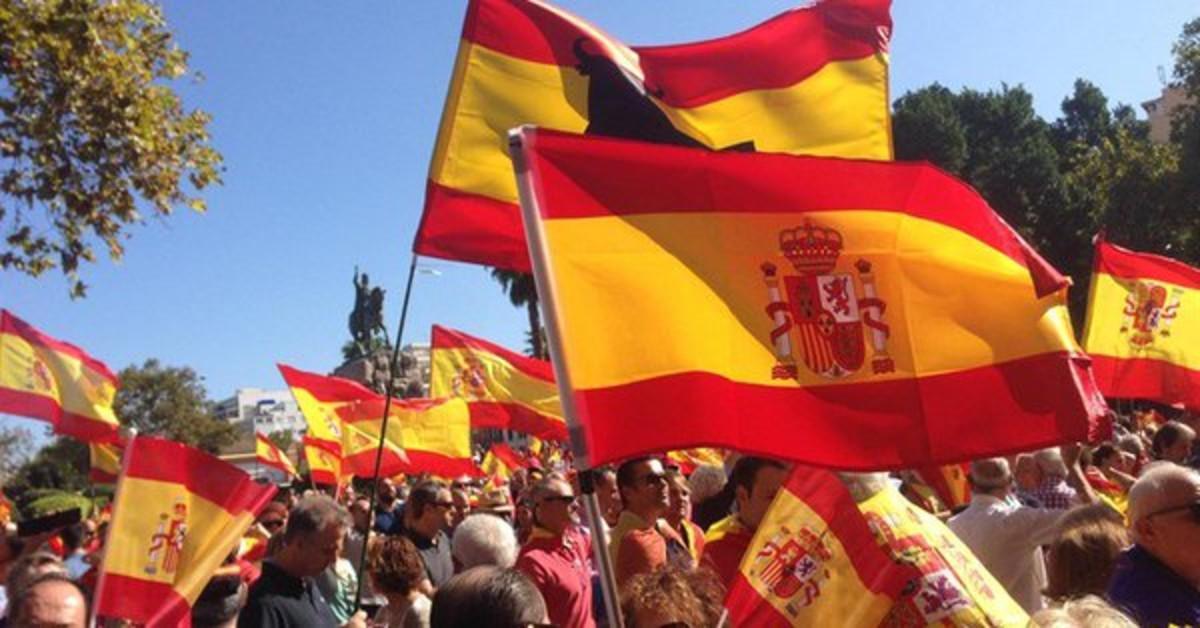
<point>849,314</point>
<point>503,389</point>
<point>50,380</point>
<point>501,460</point>
<point>1143,326</point>
<point>812,80</point>
<point>104,462</point>
<point>179,512</point>
<point>324,462</point>
<point>270,455</point>
<point>949,482</point>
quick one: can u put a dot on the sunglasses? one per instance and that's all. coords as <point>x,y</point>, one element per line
<point>1194,507</point>
<point>566,499</point>
<point>272,523</point>
<point>653,479</point>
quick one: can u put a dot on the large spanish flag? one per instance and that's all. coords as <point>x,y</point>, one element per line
<point>179,512</point>
<point>434,435</point>
<point>1143,326</point>
<point>851,314</point>
<point>324,401</point>
<point>270,455</point>
<point>814,562</point>
<point>809,81</point>
<point>503,389</point>
<point>50,380</point>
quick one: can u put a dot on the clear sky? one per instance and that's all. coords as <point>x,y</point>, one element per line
<point>326,114</point>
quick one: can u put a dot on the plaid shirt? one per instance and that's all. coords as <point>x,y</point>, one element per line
<point>1054,493</point>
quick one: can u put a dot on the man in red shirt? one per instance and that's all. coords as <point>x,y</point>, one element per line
<point>556,555</point>
<point>755,482</point>
<point>639,540</point>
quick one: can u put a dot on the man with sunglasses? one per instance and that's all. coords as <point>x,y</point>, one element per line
<point>1157,581</point>
<point>427,515</point>
<point>638,542</point>
<point>556,555</point>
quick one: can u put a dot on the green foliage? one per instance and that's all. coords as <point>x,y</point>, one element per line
<point>16,446</point>
<point>91,130</point>
<point>522,292</point>
<point>62,465</point>
<point>170,402</point>
<point>58,501</point>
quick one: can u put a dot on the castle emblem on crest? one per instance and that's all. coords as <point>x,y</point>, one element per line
<point>825,316</point>
<point>1149,310</point>
<point>471,380</point>
<point>792,567</point>
<point>39,377</point>
<point>166,544</point>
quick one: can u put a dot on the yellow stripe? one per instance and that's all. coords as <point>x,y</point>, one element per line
<point>58,376</point>
<point>501,381</point>
<point>841,111</point>
<point>323,422</point>
<point>687,291</point>
<point>444,429</point>
<point>841,599</point>
<point>105,457</point>
<point>1103,334</point>
<point>144,506</point>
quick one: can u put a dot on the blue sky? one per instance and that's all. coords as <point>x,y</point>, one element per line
<point>326,114</point>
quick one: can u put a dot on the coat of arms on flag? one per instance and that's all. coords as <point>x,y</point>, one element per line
<point>1150,308</point>
<point>828,315</point>
<point>166,544</point>
<point>792,566</point>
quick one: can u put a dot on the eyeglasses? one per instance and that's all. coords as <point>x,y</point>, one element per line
<point>1194,507</point>
<point>566,499</point>
<point>272,523</point>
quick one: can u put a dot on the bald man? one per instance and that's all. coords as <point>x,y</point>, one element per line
<point>1157,581</point>
<point>50,600</point>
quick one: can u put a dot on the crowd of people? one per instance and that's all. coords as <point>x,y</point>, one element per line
<point>1107,534</point>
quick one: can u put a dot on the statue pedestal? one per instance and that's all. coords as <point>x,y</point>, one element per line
<point>372,371</point>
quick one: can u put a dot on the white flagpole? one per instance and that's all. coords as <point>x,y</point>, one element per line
<point>126,455</point>
<point>521,139</point>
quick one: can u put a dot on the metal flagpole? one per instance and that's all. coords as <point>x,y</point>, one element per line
<point>387,406</point>
<point>521,139</point>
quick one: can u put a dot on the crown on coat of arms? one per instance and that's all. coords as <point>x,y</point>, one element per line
<point>811,249</point>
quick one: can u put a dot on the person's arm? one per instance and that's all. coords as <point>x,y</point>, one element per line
<point>1075,477</point>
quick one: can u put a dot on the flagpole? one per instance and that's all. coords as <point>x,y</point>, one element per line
<point>387,406</point>
<point>126,455</point>
<point>521,139</point>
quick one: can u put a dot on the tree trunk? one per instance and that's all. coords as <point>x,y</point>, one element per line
<point>535,330</point>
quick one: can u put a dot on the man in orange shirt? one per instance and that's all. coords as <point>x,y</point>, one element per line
<point>639,540</point>
<point>755,482</point>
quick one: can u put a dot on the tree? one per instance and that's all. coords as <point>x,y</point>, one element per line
<point>62,465</point>
<point>522,291</point>
<point>1185,127</point>
<point>170,402</point>
<point>285,440</point>
<point>91,131</point>
<point>16,446</point>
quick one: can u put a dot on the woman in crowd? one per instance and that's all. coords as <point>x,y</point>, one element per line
<point>1082,557</point>
<point>397,572</point>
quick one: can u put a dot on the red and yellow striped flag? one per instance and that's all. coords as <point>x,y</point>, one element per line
<point>179,512</point>
<point>324,462</point>
<point>501,460</point>
<point>949,482</point>
<point>104,462</point>
<point>688,459</point>
<point>814,562</point>
<point>271,456</point>
<point>433,434</point>
<point>502,388</point>
<point>852,314</point>
<point>809,81</point>
<point>1143,326</point>
<point>50,380</point>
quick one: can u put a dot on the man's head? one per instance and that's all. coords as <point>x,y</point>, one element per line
<point>1050,463</point>
<point>429,508</point>
<point>273,517</point>
<point>360,514</point>
<point>756,481</point>
<point>386,492</point>
<point>642,483</point>
<point>462,506</point>
<point>607,495</point>
<point>219,603</point>
<point>1106,456</point>
<point>488,596</point>
<point>990,476</point>
<point>29,568</point>
<point>313,537</point>
<point>1164,513</point>
<point>553,504</point>
<point>52,599</point>
<point>679,494</point>
<point>484,539</point>
<point>1173,442</point>
<point>1026,472</point>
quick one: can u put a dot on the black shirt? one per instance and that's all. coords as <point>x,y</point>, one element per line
<point>435,553</point>
<point>279,600</point>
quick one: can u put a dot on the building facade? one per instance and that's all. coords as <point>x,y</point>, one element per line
<point>263,411</point>
<point>1160,110</point>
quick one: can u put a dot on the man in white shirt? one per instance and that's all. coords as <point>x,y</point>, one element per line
<point>1007,536</point>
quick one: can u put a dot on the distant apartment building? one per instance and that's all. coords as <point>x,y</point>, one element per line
<point>262,411</point>
<point>1159,111</point>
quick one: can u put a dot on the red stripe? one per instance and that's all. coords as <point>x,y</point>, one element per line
<point>330,447</point>
<point>99,476</point>
<point>1142,378</point>
<point>10,324</point>
<point>1121,262</point>
<point>42,408</point>
<point>777,53</point>
<point>576,181</point>
<point>471,228</point>
<point>362,464</point>
<point>437,464</point>
<point>325,388</point>
<point>507,456</point>
<point>142,601</point>
<point>446,338</point>
<point>321,476</point>
<point>202,474</point>
<point>1002,408</point>
<point>518,418</point>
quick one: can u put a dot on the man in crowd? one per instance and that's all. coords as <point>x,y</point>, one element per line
<point>556,555</point>
<point>389,510</point>
<point>609,499</point>
<point>755,481</point>
<point>427,517</point>
<point>51,599</point>
<point>285,595</point>
<point>679,517</point>
<point>462,504</point>
<point>1157,580</point>
<point>638,542</point>
<point>1053,491</point>
<point>484,539</point>
<point>1007,536</point>
<point>1028,477</point>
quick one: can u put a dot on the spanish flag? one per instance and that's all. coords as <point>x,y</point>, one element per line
<point>949,481</point>
<point>809,81</point>
<point>50,380</point>
<point>178,513</point>
<point>502,388</point>
<point>1143,326</point>
<point>814,562</point>
<point>848,314</point>
<point>104,462</point>
<point>324,401</point>
<point>426,436</point>
<point>688,459</point>
<point>951,587</point>
<point>324,462</point>
<point>270,455</point>
<point>501,460</point>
